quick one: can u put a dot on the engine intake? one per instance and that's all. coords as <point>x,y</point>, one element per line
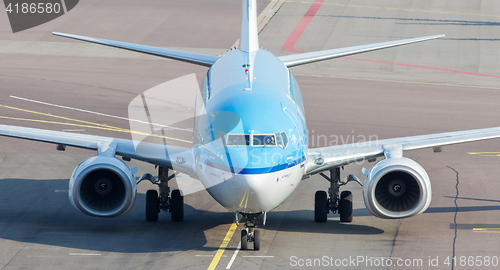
<point>397,188</point>
<point>102,186</point>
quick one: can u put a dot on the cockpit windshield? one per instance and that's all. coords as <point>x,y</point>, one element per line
<point>263,140</point>
<point>238,139</point>
<point>278,139</point>
<point>282,139</point>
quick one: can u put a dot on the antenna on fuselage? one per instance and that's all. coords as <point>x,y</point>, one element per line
<point>246,66</point>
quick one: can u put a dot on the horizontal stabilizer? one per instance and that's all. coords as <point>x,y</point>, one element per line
<point>194,58</point>
<point>310,57</point>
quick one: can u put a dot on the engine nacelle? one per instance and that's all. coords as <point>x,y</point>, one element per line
<point>397,188</point>
<point>103,187</point>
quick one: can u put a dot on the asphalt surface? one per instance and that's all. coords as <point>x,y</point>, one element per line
<point>437,86</point>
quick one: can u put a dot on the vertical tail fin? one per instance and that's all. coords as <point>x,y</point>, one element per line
<point>249,39</point>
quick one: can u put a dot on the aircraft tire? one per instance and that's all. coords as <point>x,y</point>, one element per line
<point>244,239</point>
<point>152,207</point>
<point>176,205</point>
<point>345,206</point>
<point>256,240</point>
<point>320,206</point>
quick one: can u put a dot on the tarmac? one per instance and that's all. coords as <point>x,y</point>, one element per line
<point>443,85</point>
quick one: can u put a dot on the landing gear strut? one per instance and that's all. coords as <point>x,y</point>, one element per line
<point>335,201</point>
<point>249,234</point>
<point>165,201</point>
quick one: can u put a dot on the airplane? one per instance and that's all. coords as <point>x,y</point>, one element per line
<point>233,135</point>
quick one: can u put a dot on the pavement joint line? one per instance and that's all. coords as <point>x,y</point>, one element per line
<point>423,67</point>
<point>396,81</point>
<point>222,247</point>
<point>85,254</point>
<point>257,256</point>
<point>395,8</point>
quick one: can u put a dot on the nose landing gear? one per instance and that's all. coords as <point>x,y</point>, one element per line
<point>249,234</point>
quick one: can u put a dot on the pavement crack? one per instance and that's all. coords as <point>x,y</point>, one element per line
<point>66,82</point>
<point>394,241</point>
<point>456,213</point>
<point>15,255</point>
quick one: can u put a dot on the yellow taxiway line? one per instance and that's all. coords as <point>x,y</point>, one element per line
<point>223,247</point>
<point>486,230</point>
<point>485,154</point>
<point>87,123</point>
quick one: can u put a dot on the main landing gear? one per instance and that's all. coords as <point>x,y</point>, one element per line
<point>335,201</point>
<point>249,234</point>
<point>154,203</point>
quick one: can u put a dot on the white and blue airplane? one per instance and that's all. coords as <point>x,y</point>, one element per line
<point>231,157</point>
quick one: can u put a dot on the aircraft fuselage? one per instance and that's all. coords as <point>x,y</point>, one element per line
<point>251,137</point>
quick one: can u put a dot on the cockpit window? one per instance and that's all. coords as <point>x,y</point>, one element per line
<point>278,139</point>
<point>282,140</point>
<point>263,140</point>
<point>238,139</point>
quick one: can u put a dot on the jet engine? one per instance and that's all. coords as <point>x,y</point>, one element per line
<point>103,187</point>
<point>397,188</point>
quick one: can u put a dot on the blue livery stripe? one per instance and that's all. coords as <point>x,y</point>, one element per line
<point>256,170</point>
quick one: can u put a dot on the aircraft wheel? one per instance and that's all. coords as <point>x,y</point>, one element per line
<point>320,206</point>
<point>244,240</point>
<point>256,240</point>
<point>176,205</point>
<point>345,206</point>
<point>152,206</point>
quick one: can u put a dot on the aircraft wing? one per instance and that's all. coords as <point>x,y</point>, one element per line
<point>325,158</point>
<point>310,57</point>
<point>194,58</point>
<point>179,158</point>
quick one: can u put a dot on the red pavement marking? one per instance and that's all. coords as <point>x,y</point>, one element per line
<point>304,22</point>
<point>299,29</point>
